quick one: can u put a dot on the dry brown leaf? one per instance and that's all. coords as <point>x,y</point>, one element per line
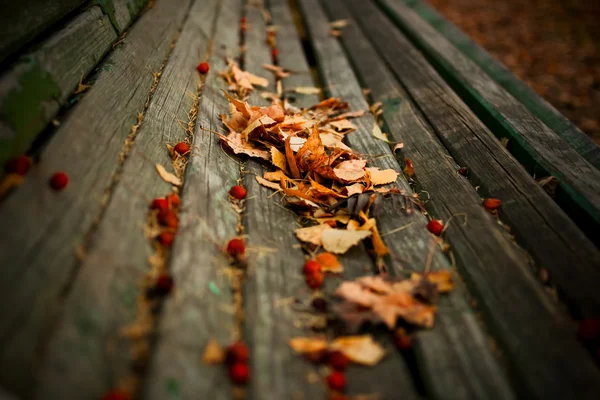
<point>343,125</point>
<point>308,90</point>
<point>264,120</point>
<point>238,146</point>
<point>267,183</point>
<point>167,176</point>
<point>338,24</point>
<point>213,353</point>
<point>313,234</point>
<point>296,143</point>
<point>382,177</point>
<point>359,349</point>
<point>305,345</point>
<point>278,159</point>
<point>329,263</point>
<point>331,140</point>
<point>256,80</point>
<point>275,176</point>
<point>351,170</point>
<point>398,146</point>
<point>356,188</point>
<point>442,279</point>
<point>408,170</point>
<point>339,241</point>
<point>379,134</point>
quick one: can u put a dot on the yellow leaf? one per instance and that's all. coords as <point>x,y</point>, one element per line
<point>338,241</point>
<point>278,159</point>
<point>306,90</point>
<point>213,353</point>
<point>379,134</point>
<point>359,349</point>
<point>267,183</point>
<point>382,177</point>
<point>312,234</point>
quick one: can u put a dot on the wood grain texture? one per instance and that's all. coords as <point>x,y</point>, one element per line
<point>121,12</point>
<point>103,298</point>
<point>48,227</point>
<point>581,142</point>
<point>540,226</point>
<point>451,367</point>
<point>33,89</point>
<point>22,21</point>
<point>197,312</point>
<point>579,180</point>
<point>494,271</point>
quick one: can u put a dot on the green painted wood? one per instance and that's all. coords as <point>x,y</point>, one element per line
<point>583,144</point>
<point>33,89</point>
<point>520,314</point>
<point>39,251</point>
<point>104,296</point>
<point>196,312</point>
<point>121,12</point>
<point>444,361</point>
<point>540,149</point>
<point>22,21</point>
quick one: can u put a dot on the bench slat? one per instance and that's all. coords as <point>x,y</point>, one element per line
<point>413,243</point>
<point>39,251</point>
<point>104,296</point>
<point>579,188</point>
<point>493,270</point>
<point>33,89</point>
<point>197,313</point>
<point>581,142</point>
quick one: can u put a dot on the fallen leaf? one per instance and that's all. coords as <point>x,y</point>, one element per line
<point>382,177</point>
<point>359,349</point>
<point>238,146</point>
<point>306,90</point>
<point>379,134</point>
<point>313,234</point>
<point>356,188</point>
<point>278,159</point>
<point>331,140</point>
<point>256,80</point>
<point>351,170</point>
<point>338,24</point>
<point>267,183</point>
<point>305,345</point>
<point>408,170</point>
<point>167,176</point>
<point>275,176</point>
<point>398,146</point>
<point>442,279</point>
<point>343,125</point>
<point>265,120</point>
<point>213,353</point>
<point>338,241</point>
<point>329,263</point>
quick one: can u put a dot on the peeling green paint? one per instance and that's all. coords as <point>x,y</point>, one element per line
<point>23,107</point>
<point>172,388</point>
<point>108,8</point>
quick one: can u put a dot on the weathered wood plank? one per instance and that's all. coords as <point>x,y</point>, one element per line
<point>448,367</point>
<point>103,296</point>
<point>552,239</point>
<point>579,188</point>
<point>491,268</point>
<point>197,312</point>
<point>581,142</point>
<point>275,265</point>
<point>22,21</point>
<point>47,228</point>
<point>33,89</point>
<point>121,12</point>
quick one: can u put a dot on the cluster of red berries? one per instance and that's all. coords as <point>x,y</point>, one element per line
<point>167,217</point>
<point>236,358</point>
<point>336,379</point>
<point>243,24</point>
<point>313,274</point>
<point>20,166</point>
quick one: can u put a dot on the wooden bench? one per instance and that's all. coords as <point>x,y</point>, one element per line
<point>97,88</point>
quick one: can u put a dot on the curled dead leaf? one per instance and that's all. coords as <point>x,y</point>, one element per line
<point>167,176</point>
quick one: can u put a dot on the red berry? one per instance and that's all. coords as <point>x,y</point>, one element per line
<point>182,148</point>
<point>315,281</point>
<point>338,360</point>
<point>238,192</point>
<point>336,381</point>
<point>236,247</point>
<point>116,394</point>
<point>243,20</point>
<point>168,218</point>
<point>239,373</point>
<point>160,204</point>
<point>164,285</point>
<point>238,353</point>
<point>19,165</point>
<point>203,68</point>
<point>311,267</point>
<point>435,226</point>
<point>589,329</point>
<point>403,341</point>
<point>166,239</point>
<point>59,181</point>
<point>174,200</point>
<point>491,204</point>
<point>464,171</point>
<point>274,52</point>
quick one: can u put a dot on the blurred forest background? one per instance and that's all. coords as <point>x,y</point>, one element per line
<point>553,45</point>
